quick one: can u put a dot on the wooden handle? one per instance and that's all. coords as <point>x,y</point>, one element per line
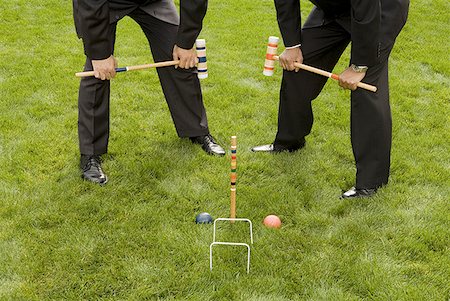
<point>232,203</point>
<point>329,74</point>
<point>130,68</point>
<point>367,87</point>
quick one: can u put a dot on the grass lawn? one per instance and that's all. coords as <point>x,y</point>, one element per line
<point>62,238</point>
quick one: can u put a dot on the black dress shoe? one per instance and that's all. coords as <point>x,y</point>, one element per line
<point>358,193</point>
<point>208,145</point>
<point>92,169</point>
<point>277,148</point>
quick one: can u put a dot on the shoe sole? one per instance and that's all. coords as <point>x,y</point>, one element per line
<point>95,182</point>
<point>357,197</point>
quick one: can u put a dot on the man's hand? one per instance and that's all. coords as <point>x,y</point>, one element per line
<point>350,78</point>
<point>289,56</point>
<point>187,57</point>
<point>105,69</point>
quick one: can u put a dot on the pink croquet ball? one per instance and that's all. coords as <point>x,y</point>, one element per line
<point>272,221</point>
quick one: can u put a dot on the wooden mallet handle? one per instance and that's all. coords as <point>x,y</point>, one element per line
<point>329,74</point>
<point>130,68</point>
<point>271,57</point>
<point>202,68</point>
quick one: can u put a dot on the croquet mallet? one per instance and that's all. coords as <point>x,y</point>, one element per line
<point>202,67</point>
<point>271,57</point>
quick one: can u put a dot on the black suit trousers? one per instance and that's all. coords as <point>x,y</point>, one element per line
<point>181,89</point>
<point>371,124</point>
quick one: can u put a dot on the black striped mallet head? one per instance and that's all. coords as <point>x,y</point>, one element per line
<point>202,67</point>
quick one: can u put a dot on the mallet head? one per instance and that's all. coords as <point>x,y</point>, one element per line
<point>202,68</point>
<point>272,48</point>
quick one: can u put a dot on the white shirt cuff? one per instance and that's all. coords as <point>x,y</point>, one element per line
<point>292,47</point>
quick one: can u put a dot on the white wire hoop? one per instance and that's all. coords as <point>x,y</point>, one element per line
<point>226,243</point>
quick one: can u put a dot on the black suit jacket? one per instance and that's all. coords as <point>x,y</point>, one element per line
<point>92,19</point>
<point>363,19</point>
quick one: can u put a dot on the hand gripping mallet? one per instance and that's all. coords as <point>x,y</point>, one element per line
<point>271,57</point>
<point>202,67</point>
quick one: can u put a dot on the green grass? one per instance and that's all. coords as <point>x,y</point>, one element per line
<point>62,238</point>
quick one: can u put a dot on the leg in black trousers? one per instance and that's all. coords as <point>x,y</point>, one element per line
<point>321,48</point>
<point>371,122</point>
<point>371,129</point>
<point>93,111</point>
<point>181,87</point>
<point>93,122</point>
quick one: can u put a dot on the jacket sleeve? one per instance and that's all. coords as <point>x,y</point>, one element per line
<point>93,26</point>
<point>192,13</point>
<point>289,21</point>
<point>365,31</point>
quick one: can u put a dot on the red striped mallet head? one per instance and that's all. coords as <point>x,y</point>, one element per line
<point>272,48</point>
<point>202,68</point>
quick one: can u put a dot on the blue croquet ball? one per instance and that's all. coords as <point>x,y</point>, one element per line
<point>203,218</point>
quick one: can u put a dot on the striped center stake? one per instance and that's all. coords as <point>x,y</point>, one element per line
<point>202,67</point>
<point>233,177</point>
<point>272,48</point>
